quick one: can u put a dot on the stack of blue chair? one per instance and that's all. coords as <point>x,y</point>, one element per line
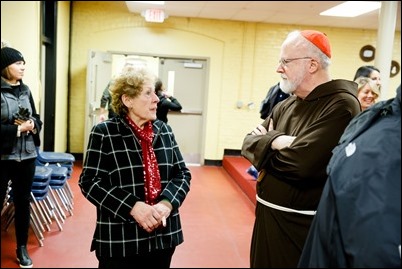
<point>58,159</point>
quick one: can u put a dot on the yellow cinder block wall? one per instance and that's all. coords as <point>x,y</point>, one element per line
<point>243,59</point>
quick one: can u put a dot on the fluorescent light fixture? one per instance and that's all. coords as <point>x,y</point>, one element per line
<point>150,2</point>
<point>352,9</point>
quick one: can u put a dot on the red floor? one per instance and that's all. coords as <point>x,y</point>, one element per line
<point>217,219</point>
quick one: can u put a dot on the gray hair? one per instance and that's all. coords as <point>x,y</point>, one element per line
<point>129,82</point>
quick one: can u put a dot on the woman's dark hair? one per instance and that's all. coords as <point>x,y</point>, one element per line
<point>158,86</point>
<point>365,71</point>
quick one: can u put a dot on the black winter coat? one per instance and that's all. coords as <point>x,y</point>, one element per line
<point>358,220</point>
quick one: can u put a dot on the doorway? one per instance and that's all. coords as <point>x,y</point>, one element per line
<point>184,78</point>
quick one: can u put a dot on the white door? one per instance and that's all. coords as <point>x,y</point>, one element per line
<point>186,80</point>
<point>99,73</point>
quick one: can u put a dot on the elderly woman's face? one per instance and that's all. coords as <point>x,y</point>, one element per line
<point>142,108</point>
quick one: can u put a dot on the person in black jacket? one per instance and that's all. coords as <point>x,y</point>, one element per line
<point>106,99</point>
<point>166,102</point>
<point>20,127</point>
<point>358,220</point>
<point>274,96</point>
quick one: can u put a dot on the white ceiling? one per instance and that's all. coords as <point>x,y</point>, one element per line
<point>281,12</point>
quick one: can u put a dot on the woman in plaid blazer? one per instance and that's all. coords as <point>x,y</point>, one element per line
<point>136,177</point>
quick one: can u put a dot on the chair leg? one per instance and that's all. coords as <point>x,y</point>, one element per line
<point>57,205</point>
<point>46,211</point>
<point>10,216</point>
<point>69,199</point>
<point>36,219</point>
<point>64,200</point>
<point>5,204</point>
<point>43,214</point>
<point>56,213</point>
<point>70,191</point>
<point>38,234</point>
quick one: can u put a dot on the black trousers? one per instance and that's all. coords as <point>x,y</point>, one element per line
<point>21,175</point>
<point>154,259</point>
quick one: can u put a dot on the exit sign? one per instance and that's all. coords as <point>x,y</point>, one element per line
<point>154,15</point>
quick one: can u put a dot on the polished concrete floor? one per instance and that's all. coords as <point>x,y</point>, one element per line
<point>217,219</point>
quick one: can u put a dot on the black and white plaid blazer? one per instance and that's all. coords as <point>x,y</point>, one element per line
<point>112,179</point>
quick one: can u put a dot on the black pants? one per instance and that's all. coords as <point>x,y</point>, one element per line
<point>155,259</point>
<point>21,174</point>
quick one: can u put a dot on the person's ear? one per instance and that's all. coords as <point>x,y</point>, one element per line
<point>127,100</point>
<point>313,65</point>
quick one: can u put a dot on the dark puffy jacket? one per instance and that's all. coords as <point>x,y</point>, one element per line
<point>358,220</point>
<point>274,96</point>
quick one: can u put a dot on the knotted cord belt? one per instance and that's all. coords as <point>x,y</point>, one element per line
<point>282,208</point>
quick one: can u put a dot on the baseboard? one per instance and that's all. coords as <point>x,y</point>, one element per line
<point>232,152</point>
<point>213,162</point>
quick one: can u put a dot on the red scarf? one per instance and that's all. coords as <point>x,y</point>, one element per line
<point>152,177</point>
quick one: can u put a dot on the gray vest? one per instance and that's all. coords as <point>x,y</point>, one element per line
<point>24,146</point>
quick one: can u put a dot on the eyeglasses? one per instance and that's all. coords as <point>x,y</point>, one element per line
<point>284,62</point>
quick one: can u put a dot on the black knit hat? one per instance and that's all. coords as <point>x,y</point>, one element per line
<point>10,56</point>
